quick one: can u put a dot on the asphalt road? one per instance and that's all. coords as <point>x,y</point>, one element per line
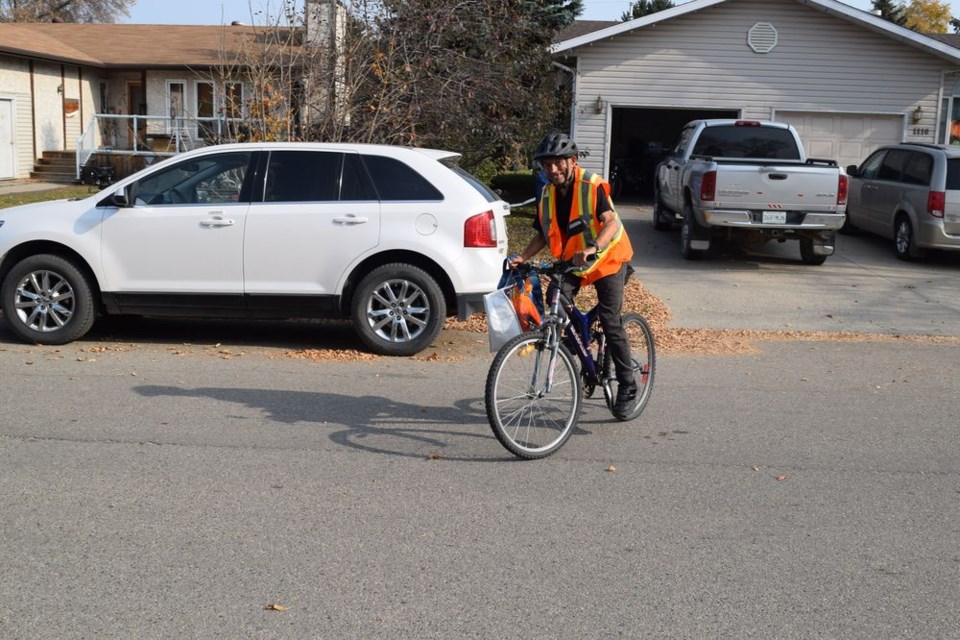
<point>173,480</point>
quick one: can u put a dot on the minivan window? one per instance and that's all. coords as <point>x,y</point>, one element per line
<point>892,165</point>
<point>303,176</point>
<point>918,169</point>
<point>394,180</point>
<point>729,141</point>
<point>953,174</point>
<point>871,165</point>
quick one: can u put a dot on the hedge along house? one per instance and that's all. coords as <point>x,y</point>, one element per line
<point>131,93</point>
<point>847,80</point>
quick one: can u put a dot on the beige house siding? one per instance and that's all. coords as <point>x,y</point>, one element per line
<point>15,86</point>
<point>702,60</point>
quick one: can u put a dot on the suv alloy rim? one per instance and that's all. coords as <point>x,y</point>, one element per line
<point>44,301</point>
<point>398,310</point>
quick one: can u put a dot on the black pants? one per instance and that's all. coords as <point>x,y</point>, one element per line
<point>610,298</point>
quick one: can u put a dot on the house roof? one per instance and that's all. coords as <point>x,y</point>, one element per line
<point>937,46</point>
<point>120,46</point>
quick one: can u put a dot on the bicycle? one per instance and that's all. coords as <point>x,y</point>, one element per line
<point>533,394</point>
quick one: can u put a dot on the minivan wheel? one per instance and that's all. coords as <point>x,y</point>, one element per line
<point>46,299</point>
<point>904,240</point>
<point>398,310</point>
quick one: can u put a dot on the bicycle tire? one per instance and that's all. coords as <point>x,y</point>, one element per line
<point>644,355</point>
<point>528,424</point>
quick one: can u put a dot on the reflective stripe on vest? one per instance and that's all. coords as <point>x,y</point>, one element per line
<point>584,203</point>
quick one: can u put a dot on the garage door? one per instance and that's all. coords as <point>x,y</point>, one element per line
<point>847,138</point>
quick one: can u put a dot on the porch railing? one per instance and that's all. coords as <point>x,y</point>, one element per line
<point>152,135</point>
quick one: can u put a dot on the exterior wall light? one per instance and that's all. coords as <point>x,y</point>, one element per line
<point>917,115</point>
<point>599,105</point>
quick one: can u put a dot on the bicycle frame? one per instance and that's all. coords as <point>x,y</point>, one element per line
<point>559,319</point>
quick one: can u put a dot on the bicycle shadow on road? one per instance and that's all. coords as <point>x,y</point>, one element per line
<point>366,423</point>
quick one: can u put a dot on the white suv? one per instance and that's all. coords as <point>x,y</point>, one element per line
<point>391,237</point>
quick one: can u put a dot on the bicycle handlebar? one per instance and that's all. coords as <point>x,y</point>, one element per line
<point>551,269</point>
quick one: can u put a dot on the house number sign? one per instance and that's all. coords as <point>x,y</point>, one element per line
<point>920,131</point>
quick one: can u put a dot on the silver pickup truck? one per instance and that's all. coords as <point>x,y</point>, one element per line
<point>749,181</point>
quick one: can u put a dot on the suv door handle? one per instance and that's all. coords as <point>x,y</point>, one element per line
<point>217,222</point>
<point>351,220</point>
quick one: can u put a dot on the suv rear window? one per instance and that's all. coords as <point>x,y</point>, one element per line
<point>396,181</point>
<point>729,141</point>
<point>484,190</point>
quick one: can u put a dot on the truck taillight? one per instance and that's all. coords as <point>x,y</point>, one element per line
<point>747,123</point>
<point>842,185</point>
<point>480,230</point>
<point>708,186</point>
<point>936,203</point>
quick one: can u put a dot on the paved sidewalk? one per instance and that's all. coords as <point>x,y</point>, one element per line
<point>22,186</point>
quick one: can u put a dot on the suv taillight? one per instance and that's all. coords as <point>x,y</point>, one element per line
<point>708,186</point>
<point>480,230</point>
<point>842,190</point>
<point>936,203</point>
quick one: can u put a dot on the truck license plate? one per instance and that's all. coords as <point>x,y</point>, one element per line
<point>774,217</point>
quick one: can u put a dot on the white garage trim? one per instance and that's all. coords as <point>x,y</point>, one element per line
<point>847,138</point>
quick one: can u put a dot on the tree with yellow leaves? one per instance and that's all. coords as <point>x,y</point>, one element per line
<point>927,16</point>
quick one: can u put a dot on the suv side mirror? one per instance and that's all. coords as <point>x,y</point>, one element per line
<point>119,198</point>
<point>852,170</point>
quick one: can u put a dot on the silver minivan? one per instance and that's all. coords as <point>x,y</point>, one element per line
<point>909,193</point>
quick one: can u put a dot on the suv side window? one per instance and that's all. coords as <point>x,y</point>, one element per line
<point>208,179</point>
<point>892,165</point>
<point>394,180</point>
<point>918,169</point>
<point>303,176</point>
<point>871,165</point>
<point>355,183</point>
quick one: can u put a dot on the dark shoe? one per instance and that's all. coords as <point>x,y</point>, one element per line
<point>626,395</point>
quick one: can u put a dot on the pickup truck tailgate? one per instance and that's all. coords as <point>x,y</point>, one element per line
<point>771,187</point>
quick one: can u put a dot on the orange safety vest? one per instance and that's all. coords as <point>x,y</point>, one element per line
<point>584,205</point>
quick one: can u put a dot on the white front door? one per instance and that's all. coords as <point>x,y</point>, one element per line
<point>7,168</point>
<point>184,233</point>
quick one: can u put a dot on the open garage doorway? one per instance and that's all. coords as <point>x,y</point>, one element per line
<point>641,137</point>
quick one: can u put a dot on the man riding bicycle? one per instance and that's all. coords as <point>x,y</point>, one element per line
<point>576,220</point>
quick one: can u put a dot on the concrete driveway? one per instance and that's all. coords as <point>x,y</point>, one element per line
<point>861,288</point>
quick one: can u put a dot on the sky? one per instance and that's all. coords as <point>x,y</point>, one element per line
<point>226,11</point>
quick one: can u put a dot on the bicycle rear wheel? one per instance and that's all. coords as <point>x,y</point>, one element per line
<point>529,421</point>
<point>644,355</point>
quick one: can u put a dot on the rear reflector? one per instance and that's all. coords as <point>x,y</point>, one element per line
<point>708,186</point>
<point>480,230</point>
<point>936,203</point>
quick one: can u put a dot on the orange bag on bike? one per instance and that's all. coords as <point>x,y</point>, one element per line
<point>522,297</point>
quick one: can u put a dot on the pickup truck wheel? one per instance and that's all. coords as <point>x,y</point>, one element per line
<point>661,216</point>
<point>46,299</point>
<point>398,310</point>
<point>807,254</point>
<point>905,242</point>
<point>688,233</point>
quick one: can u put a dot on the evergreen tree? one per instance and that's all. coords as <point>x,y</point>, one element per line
<point>891,11</point>
<point>640,8</point>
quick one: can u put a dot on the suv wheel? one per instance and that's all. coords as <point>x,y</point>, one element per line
<point>905,243</point>
<point>47,299</point>
<point>398,310</point>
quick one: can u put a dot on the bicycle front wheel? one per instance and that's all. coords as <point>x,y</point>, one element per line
<point>530,419</point>
<point>644,356</point>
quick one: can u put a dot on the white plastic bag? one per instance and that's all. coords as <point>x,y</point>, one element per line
<point>502,321</point>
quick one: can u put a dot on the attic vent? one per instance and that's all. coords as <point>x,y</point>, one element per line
<point>762,37</point>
